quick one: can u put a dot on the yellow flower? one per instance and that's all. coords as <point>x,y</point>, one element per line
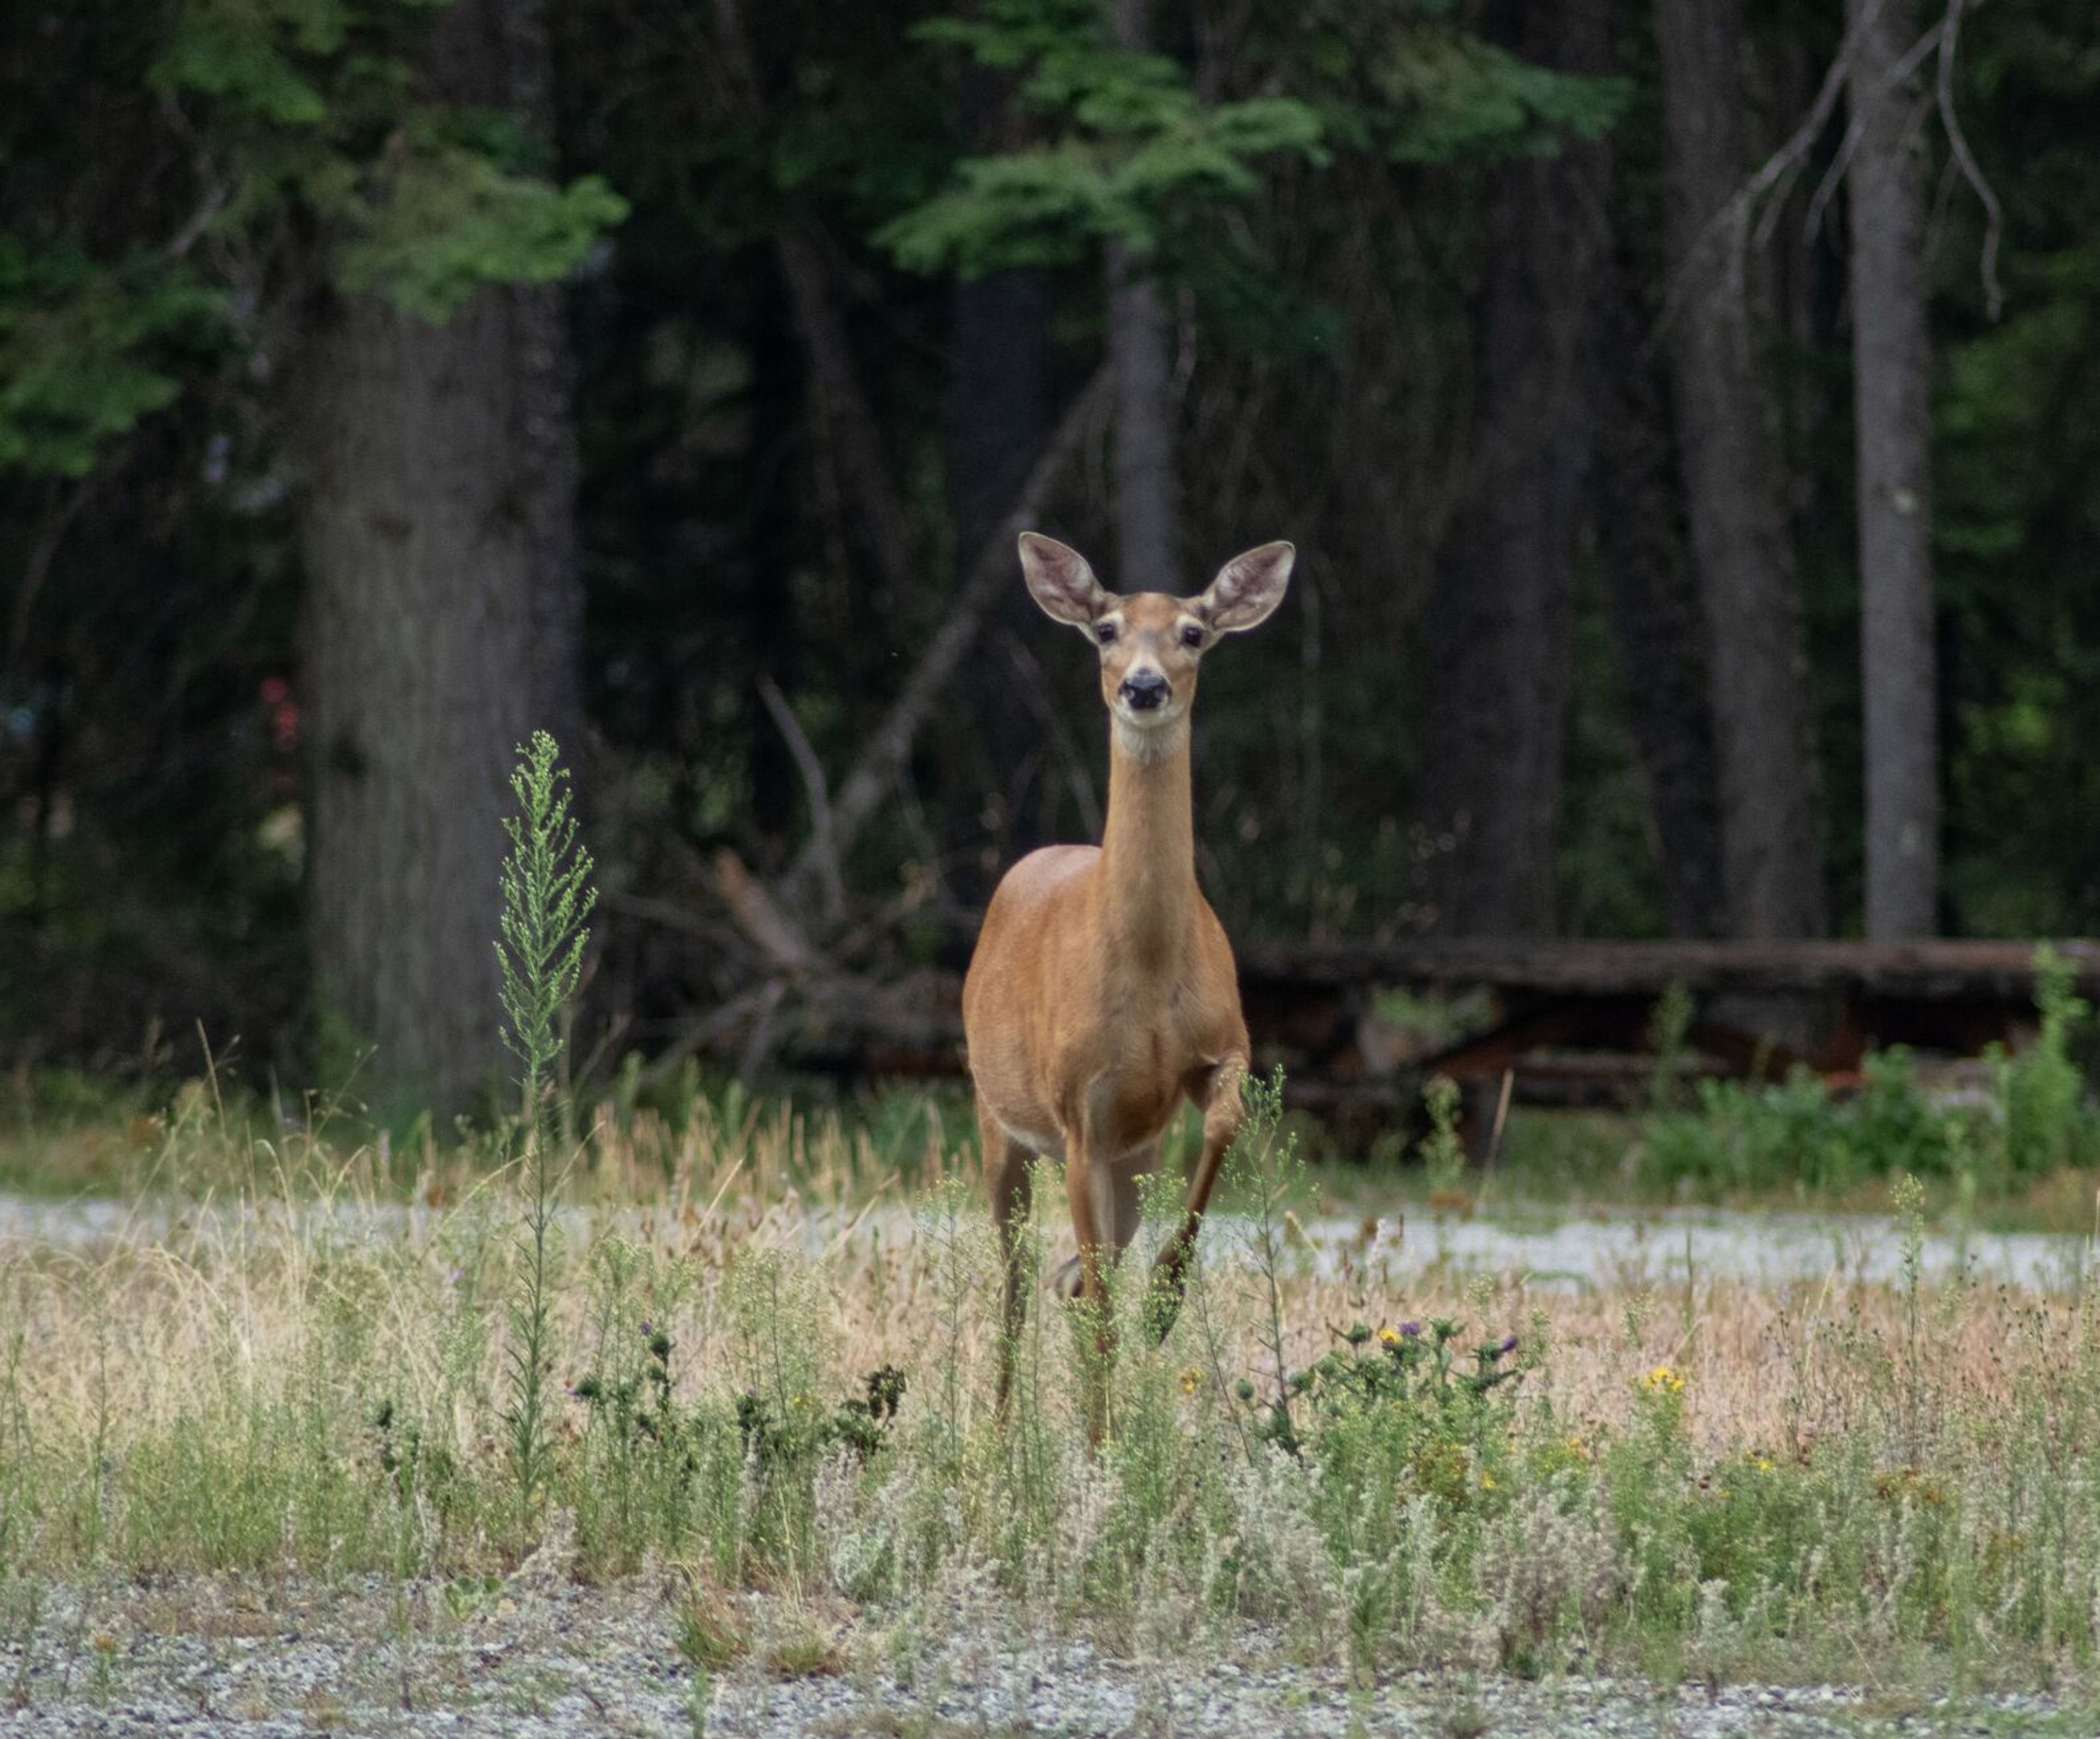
<point>1487,1482</point>
<point>1191,1380</point>
<point>1578,1448</point>
<point>1662,1380</point>
<point>1389,1336</point>
<point>1763,1463</point>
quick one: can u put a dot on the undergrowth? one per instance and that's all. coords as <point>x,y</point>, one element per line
<point>1746,1483</point>
<point>2027,1119</point>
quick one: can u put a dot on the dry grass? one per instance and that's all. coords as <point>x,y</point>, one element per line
<point>288,1380</point>
<point>118,1341</point>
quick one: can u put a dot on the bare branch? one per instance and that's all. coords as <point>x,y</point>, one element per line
<point>861,791</point>
<point>1950,29</point>
<point>777,936</point>
<point>1783,168</point>
<point>812,770</point>
<point>1913,57</point>
<point>1775,178</point>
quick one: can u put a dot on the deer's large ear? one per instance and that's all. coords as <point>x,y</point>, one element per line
<point>1247,588</point>
<point>1060,580</point>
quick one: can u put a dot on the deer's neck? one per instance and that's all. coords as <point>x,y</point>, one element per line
<point>1148,886</point>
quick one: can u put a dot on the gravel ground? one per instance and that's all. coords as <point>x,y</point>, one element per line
<point>1564,1248</point>
<point>541,1656</point>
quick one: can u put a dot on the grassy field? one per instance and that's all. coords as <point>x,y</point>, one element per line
<point>767,1366</point>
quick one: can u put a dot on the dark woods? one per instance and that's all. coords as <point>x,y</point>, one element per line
<point>1684,410</point>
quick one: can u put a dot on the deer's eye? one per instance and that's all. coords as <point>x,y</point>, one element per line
<point>1192,636</point>
<point>1105,632</point>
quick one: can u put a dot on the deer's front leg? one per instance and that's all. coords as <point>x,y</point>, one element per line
<point>1086,1184</point>
<point>1223,1114</point>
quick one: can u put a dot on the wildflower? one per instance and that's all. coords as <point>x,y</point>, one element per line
<point>1662,1380</point>
<point>1507,1344</point>
<point>1389,1336</point>
<point>1410,1331</point>
<point>1763,1463</point>
<point>1191,1380</point>
<point>1487,1482</point>
<point>1577,1447</point>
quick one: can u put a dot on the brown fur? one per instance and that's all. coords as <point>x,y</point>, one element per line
<point>1102,991</point>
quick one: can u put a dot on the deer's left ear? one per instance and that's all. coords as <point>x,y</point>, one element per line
<point>1247,588</point>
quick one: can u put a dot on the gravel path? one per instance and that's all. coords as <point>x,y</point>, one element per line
<point>541,1656</point>
<point>1572,1248</point>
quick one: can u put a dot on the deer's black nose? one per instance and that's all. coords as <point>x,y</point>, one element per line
<point>1144,689</point>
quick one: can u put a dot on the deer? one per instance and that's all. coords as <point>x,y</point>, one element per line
<point>1102,990</point>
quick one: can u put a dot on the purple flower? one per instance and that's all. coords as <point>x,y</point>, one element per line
<point>1508,1345</point>
<point>1411,1331</point>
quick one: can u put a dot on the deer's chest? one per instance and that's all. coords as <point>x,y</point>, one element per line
<point>1134,1084</point>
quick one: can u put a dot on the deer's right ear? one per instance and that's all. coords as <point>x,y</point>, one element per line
<point>1060,580</point>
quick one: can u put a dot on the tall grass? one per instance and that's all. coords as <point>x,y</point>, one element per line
<point>1746,1481</point>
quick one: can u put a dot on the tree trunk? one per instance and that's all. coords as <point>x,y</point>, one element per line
<point>1771,864</point>
<point>1892,434</point>
<point>1500,622</point>
<point>1147,497</point>
<point>440,629</point>
<point>1655,613</point>
<point>1637,506</point>
<point>1002,405</point>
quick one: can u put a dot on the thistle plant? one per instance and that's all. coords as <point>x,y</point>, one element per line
<point>546,897</point>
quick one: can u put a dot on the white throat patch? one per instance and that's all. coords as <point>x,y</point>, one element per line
<point>1148,744</point>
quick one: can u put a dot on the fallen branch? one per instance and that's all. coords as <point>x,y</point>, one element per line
<point>822,839</point>
<point>777,937</point>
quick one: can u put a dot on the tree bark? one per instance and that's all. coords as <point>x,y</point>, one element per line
<point>1771,867</point>
<point>440,627</point>
<point>1637,504</point>
<point>1003,403</point>
<point>1891,361</point>
<point>1148,496</point>
<point>1499,625</point>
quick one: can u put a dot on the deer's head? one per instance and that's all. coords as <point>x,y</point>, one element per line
<point>1151,643</point>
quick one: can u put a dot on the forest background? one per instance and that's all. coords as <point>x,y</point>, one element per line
<point>1687,414</point>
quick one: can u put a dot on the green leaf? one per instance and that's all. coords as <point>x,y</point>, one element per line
<point>87,350</point>
<point>447,220</point>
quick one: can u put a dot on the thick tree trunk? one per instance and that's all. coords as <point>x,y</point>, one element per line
<point>1771,854</point>
<point>1499,623</point>
<point>1892,433</point>
<point>1148,496</point>
<point>441,627</point>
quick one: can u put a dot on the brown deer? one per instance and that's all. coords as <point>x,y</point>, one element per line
<point>1103,989</point>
